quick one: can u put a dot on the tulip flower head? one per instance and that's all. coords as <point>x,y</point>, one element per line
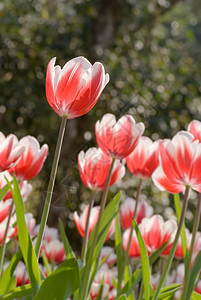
<point>180,161</point>
<point>32,160</point>
<point>94,166</point>
<point>10,151</point>
<point>195,129</point>
<point>134,250</point>
<point>73,90</point>
<point>155,232</point>
<point>144,159</point>
<point>118,138</point>
<point>81,221</point>
<point>127,211</point>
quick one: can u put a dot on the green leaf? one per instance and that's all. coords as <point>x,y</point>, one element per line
<point>99,297</point>
<point>168,291</point>
<point>18,292</point>
<point>68,250</point>
<point>127,276</point>
<point>61,283</point>
<point>3,191</point>
<point>122,297</point>
<point>195,271</point>
<point>26,245</point>
<point>145,261</point>
<point>8,281</point>
<point>118,246</point>
<point>183,232</point>
<point>108,215</point>
<point>154,256</point>
<point>196,296</point>
<point>132,282</point>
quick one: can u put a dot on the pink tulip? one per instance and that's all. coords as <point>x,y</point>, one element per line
<point>10,151</point>
<point>95,288</point>
<point>156,232</point>
<point>5,209</point>
<point>134,250</point>
<point>127,211</point>
<point>109,253</point>
<point>32,160</point>
<point>21,274</point>
<point>73,90</point>
<point>118,138</point>
<point>81,221</point>
<point>144,159</point>
<point>195,129</point>
<point>54,250</point>
<point>180,161</point>
<point>94,166</point>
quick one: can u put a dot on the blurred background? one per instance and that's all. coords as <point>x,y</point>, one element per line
<point>151,49</point>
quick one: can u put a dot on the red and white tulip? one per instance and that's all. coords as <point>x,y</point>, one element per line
<point>73,90</point>
<point>118,138</point>
<point>94,166</point>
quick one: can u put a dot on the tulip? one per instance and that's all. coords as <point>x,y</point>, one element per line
<point>134,249</point>
<point>127,211</point>
<point>109,253</point>
<point>195,129</point>
<point>10,151</point>
<point>73,90</point>
<point>54,250</point>
<point>156,232</point>
<point>118,138</point>
<point>144,159</point>
<point>81,221</point>
<point>32,160</point>
<point>94,166</point>
<point>180,161</point>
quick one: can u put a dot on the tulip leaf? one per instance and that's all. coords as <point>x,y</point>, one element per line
<point>145,261</point>
<point>195,271</point>
<point>8,280</point>
<point>18,292</point>
<point>196,296</point>
<point>168,291</point>
<point>109,214</point>
<point>26,245</point>
<point>61,283</point>
<point>119,249</point>
<point>183,232</point>
<point>68,250</point>
<point>122,297</point>
<point>3,191</point>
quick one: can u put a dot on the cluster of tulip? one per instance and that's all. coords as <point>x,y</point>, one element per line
<point>174,166</point>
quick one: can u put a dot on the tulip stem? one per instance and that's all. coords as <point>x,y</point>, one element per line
<point>86,234</point>
<point>86,279</point>
<point>131,233</point>
<point>189,255</point>
<point>171,255</point>
<point>50,186</point>
<point>3,246</point>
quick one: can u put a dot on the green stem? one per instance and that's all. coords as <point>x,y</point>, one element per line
<point>86,280</point>
<point>3,246</point>
<point>50,186</point>
<point>86,234</point>
<point>131,233</point>
<point>189,256</point>
<point>171,255</point>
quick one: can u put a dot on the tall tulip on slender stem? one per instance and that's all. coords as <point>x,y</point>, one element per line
<point>179,170</point>
<point>71,92</point>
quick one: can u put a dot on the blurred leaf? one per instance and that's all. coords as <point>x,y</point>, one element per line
<point>145,261</point>
<point>127,276</point>
<point>177,204</point>
<point>109,214</point>
<point>119,249</point>
<point>18,292</point>
<point>61,283</point>
<point>195,271</point>
<point>169,291</point>
<point>3,191</point>
<point>67,247</point>
<point>8,281</point>
<point>26,245</point>
<point>196,296</point>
